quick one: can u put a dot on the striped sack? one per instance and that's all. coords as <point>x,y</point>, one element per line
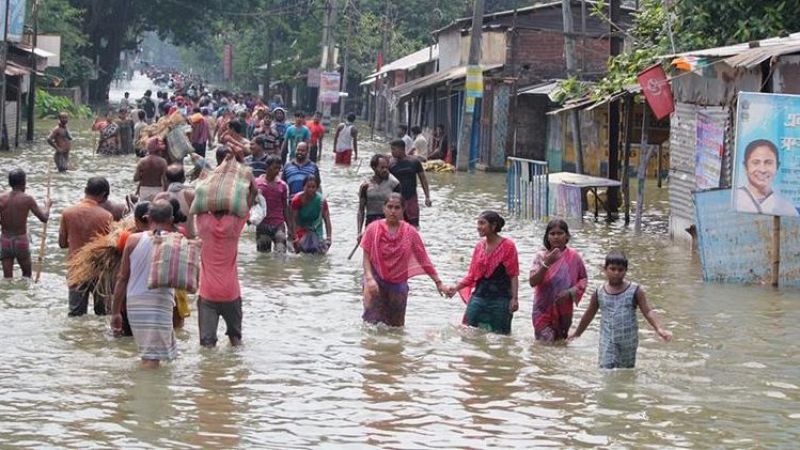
<point>175,262</point>
<point>224,190</point>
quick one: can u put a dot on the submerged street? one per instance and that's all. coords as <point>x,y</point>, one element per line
<point>311,375</point>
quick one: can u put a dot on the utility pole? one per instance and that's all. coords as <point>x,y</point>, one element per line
<point>328,64</point>
<point>343,100</point>
<point>3,58</point>
<point>32,85</point>
<point>613,114</point>
<point>465,139</point>
<point>572,71</point>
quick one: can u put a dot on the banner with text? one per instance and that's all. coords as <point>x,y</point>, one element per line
<point>329,87</point>
<point>708,151</point>
<point>767,158</point>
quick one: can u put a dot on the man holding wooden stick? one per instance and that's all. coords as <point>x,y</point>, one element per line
<point>14,209</point>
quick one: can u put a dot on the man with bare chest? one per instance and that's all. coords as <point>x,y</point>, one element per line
<point>61,140</point>
<point>14,209</point>
<point>150,173</point>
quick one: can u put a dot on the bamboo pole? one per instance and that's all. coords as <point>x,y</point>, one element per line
<point>776,249</point>
<point>40,261</point>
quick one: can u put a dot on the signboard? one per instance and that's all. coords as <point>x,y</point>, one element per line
<point>329,87</point>
<point>16,19</point>
<point>312,79</point>
<point>227,62</point>
<point>734,247</point>
<point>708,152</point>
<point>767,158</point>
<point>657,91</point>
<point>474,84</point>
<point>52,44</point>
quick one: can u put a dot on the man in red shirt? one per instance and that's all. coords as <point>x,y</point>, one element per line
<point>317,133</point>
<point>79,225</point>
<point>219,293</point>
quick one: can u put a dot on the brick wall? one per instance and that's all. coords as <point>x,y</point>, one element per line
<point>544,52</point>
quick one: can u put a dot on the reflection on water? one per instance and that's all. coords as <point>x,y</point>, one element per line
<point>311,375</point>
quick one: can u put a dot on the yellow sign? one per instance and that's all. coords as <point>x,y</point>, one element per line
<point>474,84</point>
<point>470,104</point>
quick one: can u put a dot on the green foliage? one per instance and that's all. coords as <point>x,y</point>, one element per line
<point>48,105</point>
<point>568,89</point>
<point>648,38</point>
<point>59,17</point>
<point>723,22</point>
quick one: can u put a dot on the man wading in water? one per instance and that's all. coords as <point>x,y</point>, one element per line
<point>150,171</point>
<point>14,209</point>
<point>61,140</point>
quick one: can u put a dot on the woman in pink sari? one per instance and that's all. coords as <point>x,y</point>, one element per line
<point>393,253</point>
<point>559,278</point>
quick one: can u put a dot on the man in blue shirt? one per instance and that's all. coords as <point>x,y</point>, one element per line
<point>295,134</point>
<point>298,169</point>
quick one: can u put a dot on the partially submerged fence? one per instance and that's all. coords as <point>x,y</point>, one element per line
<point>527,188</point>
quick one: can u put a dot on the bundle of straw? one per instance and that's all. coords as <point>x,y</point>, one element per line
<point>97,263</point>
<point>161,128</point>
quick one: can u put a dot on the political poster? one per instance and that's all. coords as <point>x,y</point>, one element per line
<point>329,87</point>
<point>710,141</point>
<point>767,157</point>
<point>16,19</point>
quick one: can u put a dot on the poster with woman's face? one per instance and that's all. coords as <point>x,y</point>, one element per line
<point>766,175</point>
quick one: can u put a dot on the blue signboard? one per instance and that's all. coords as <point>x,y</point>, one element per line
<point>16,19</point>
<point>735,247</point>
<point>767,158</point>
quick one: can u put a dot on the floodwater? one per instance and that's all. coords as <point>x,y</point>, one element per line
<point>311,375</point>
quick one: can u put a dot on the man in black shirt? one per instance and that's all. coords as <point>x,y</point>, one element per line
<point>148,106</point>
<point>406,169</point>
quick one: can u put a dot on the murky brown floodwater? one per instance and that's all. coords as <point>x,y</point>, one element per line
<point>311,375</point>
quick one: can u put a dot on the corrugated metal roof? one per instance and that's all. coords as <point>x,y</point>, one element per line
<point>454,73</point>
<point>731,50</point>
<point>541,89</point>
<point>487,18</point>
<point>409,61</point>
<point>753,57</point>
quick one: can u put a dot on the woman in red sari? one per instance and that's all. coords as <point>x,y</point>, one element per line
<point>393,253</point>
<point>559,278</point>
<point>491,285</point>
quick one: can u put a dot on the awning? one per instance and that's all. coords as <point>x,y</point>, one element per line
<point>15,70</point>
<point>409,61</point>
<point>540,89</point>
<point>452,74</point>
<point>42,53</point>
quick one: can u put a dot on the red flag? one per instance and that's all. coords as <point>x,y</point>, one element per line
<point>657,91</point>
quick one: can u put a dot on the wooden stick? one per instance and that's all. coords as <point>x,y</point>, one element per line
<point>353,252</point>
<point>776,249</point>
<point>40,262</point>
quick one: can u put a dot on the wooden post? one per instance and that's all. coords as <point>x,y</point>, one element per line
<point>572,66</point>
<point>659,168</point>
<point>644,158</point>
<point>776,249</point>
<point>615,47</point>
<point>626,167</point>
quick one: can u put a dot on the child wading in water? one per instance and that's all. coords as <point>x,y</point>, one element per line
<point>619,329</point>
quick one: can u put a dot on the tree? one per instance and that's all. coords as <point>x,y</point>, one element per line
<point>59,17</point>
<point>723,22</point>
<point>112,26</point>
